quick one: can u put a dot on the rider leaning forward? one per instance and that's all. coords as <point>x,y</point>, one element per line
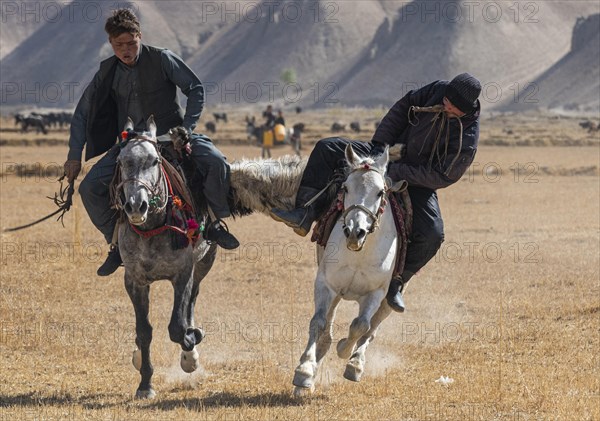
<point>440,144</point>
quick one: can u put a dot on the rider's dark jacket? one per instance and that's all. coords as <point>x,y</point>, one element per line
<point>435,155</point>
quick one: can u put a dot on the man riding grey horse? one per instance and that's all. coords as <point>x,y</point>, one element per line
<point>139,81</point>
<point>439,126</point>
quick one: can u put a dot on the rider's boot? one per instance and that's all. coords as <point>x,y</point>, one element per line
<point>394,295</point>
<point>301,218</point>
<point>219,233</point>
<point>112,262</point>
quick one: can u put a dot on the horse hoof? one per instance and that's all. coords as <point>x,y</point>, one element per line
<point>353,372</point>
<point>342,350</point>
<point>304,375</point>
<point>300,392</point>
<point>145,394</point>
<point>189,361</point>
<point>136,359</point>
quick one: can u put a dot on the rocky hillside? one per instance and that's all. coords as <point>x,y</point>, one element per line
<point>572,83</point>
<point>363,52</point>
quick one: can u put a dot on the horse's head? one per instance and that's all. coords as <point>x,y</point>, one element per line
<point>364,196</point>
<point>139,164</point>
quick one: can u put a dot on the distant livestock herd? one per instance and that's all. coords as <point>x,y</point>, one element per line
<point>41,122</point>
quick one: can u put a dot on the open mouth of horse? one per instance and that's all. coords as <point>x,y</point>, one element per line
<point>354,247</point>
<point>137,219</point>
<point>354,244</point>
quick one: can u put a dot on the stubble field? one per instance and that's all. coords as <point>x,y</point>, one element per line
<point>509,308</point>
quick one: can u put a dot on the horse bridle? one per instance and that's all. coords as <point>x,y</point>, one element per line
<point>154,191</point>
<point>375,216</point>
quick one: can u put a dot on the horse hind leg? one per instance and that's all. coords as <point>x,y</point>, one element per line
<point>356,365</point>
<point>139,296</point>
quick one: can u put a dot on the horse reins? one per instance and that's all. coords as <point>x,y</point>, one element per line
<point>64,201</point>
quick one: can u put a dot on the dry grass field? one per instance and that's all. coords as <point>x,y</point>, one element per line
<point>509,308</point>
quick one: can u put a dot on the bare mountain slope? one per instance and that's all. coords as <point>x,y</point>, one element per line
<point>505,48</point>
<point>21,19</point>
<point>67,52</point>
<point>318,40</point>
<point>364,52</point>
<point>573,83</point>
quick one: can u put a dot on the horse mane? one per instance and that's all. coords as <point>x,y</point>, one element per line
<point>261,184</point>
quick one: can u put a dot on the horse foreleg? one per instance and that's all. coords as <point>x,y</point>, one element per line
<point>190,359</point>
<point>319,336</point>
<point>139,296</point>
<point>368,305</point>
<point>356,365</point>
<point>180,331</point>
<point>326,337</point>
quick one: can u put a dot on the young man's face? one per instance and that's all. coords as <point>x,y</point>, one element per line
<point>127,47</point>
<point>451,108</point>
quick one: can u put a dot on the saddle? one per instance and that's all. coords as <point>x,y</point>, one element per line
<point>401,210</point>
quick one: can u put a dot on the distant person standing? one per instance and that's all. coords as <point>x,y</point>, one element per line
<point>279,119</point>
<point>138,81</point>
<point>268,134</point>
<point>269,117</point>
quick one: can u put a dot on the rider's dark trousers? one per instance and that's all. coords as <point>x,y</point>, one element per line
<point>208,161</point>
<point>428,228</point>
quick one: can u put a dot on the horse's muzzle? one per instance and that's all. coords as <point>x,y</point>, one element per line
<point>355,239</point>
<point>137,213</point>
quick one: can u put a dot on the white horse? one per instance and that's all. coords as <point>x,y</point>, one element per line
<point>356,264</point>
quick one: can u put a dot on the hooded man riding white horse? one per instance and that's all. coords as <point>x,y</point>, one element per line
<point>139,81</point>
<point>439,127</point>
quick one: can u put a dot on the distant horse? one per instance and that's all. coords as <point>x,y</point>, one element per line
<point>211,127</point>
<point>364,243</point>
<point>338,127</point>
<point>220,116</point>
<point>146,243</point>
<point>157,242</point>
<point>34,121</point>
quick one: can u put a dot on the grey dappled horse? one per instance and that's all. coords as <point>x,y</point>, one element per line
<point>143,192</point>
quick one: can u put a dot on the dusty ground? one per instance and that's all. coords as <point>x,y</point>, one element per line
<point>509,308</point>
